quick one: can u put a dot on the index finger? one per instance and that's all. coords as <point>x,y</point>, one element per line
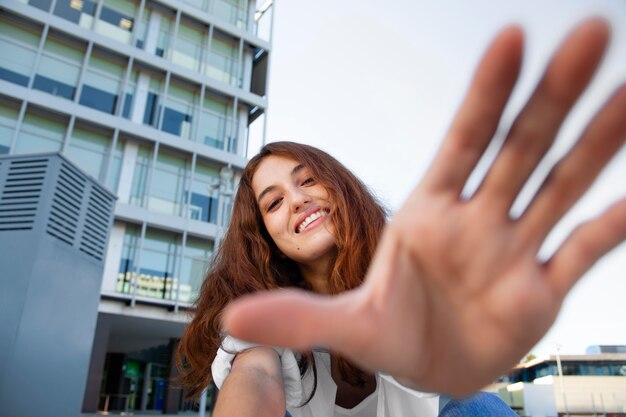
<point>479,115</point>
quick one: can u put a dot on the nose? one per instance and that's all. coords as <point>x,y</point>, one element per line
<point>299,200</point>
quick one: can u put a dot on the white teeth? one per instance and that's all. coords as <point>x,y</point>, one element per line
<point>309,219</point>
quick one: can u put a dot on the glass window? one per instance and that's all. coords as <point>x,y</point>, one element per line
<point>204,193</point>
<point>199,4</point>
<point>116,20</point>
<point>152,111</point>
<point>159,256</point>
<point>164,38</point>
<point>88,148</point>
<point>141,29</point>
<point>103,81</point>
<point>189,45</point>
<point>59,66</point>
<point>9,112</point>
<point>570,368</point>
<point>126,273</point>
<point>195,263</point>
<point>78,11</point>
<point>140,176</point>
<point>222,59</point>
<point>129,93</point>
<point>233,11</point>
<point>40,132</point>
<point>179,109</point>
<point>213,124</point>
<point>168,184</point>
<point>116,166</point>
<point>41,4</point>
<point>18,43</point>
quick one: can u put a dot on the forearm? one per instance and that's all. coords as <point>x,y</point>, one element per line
<point>251,390</point>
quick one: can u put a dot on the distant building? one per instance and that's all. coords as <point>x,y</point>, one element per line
<point>593,384</point>
<point>154,99</point>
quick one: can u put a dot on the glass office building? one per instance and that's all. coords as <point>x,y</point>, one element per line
<point>156,100</point>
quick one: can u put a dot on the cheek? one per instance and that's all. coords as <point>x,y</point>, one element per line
<point>273,228</point>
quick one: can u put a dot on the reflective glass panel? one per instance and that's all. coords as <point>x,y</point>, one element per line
<point>195,263</point>
<point>126,273</point>
<point>204,193</point>
<point>9,111</point>
<point>189,46</point>
<point>88,148</point>
<point>41,4</point>
<point>179,110</point>
<point>116,20</point>
<point>18,43</point>
<point>59,67</point>
<point>164,37</point>
<point>153,104</point>
<point>40,132</point>
<point>168,183</point>
<point>116,167</point>
<point>199,4</point>
<point>213,123</point>
<point>157,277</point>
<point>140,176</point>
<point>80,12</point>
<point>222,60</point>
<point>102,82</point>
<point>233,11</point>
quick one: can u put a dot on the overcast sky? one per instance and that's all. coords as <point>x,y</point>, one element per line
<point>376,84</point>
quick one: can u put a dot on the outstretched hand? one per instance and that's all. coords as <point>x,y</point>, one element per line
<point>455,294</point>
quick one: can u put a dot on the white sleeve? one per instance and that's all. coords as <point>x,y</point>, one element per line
<point>222,364</point>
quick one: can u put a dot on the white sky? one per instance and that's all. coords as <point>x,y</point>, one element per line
<point>376,84</point>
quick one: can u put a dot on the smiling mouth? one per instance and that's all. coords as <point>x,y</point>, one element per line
<point>310,219</point>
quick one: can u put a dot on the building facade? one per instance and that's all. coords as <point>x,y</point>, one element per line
<point>155,99</point>
<point>576,385</point>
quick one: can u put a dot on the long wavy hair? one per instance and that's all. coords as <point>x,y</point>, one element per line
<point>248,261</point>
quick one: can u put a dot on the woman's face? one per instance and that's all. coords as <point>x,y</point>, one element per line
<point>295,210</point>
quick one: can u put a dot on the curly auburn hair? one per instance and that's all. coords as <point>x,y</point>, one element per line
<point>248,261</point>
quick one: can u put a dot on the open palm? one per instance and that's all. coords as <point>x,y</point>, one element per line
<point>455,294</point>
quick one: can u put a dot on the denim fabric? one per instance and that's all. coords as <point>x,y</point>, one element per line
<point>482,404</point>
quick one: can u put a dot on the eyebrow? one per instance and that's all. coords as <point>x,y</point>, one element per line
<point>271,188</point>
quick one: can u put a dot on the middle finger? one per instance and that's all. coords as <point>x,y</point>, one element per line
<point>535,128</point>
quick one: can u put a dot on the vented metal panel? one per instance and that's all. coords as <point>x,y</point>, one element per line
<point>21,193</point>
<point>66,203</point>
<point>94,238</point>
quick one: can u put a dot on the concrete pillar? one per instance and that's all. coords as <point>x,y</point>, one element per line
<point>172,394</point>
<point>96,364</point>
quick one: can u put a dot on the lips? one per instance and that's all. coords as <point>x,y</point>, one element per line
<point>309,217</point>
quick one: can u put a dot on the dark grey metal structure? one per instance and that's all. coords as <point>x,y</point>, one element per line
<point>54,227</point>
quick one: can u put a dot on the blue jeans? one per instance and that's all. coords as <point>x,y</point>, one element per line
<point>482,404</point>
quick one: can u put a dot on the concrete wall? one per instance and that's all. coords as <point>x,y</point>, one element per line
<point>583,393</point>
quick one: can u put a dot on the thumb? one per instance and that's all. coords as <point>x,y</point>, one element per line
<point>296,319</point>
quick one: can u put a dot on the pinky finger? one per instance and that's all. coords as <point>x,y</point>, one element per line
<point>585,246</point>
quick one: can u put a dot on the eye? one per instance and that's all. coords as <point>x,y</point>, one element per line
<point>274,204</point>
<point>308,181</point>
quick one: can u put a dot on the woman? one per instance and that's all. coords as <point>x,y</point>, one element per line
<point>300,219</point>
<point>456,292</point>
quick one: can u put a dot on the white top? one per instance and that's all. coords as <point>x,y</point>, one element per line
<point>390,399</point>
